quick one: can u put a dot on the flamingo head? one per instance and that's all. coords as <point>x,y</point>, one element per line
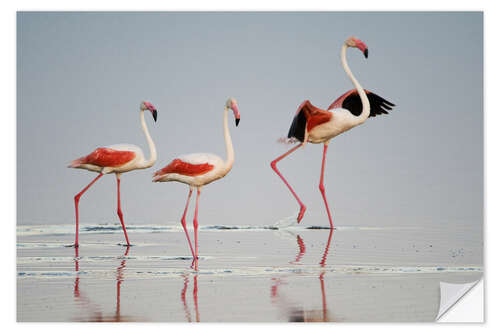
<point>231,104</point>
<point>148,106</point>
<point>354,42</point>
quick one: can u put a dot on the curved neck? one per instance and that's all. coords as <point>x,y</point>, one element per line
<point>152,149</point>
<point>229,143</point>
<point>362,94</point>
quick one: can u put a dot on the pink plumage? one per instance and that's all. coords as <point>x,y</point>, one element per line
<point>105,157</point>
<point>184,168</point>
<point>338,102</point>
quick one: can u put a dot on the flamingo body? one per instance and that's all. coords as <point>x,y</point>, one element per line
<point>194,169</point>
<point>319,126</point>
<point>119,158</point>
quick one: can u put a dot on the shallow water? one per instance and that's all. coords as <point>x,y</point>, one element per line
<point>281,272</point>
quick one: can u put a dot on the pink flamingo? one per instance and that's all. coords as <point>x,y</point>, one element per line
<point>200,169</point>
<point>117,159</point>
<point>314,125</point>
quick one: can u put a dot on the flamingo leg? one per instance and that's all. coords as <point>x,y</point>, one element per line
<point>77,200</point>
<point>183,221</point>
<point>119,211</point>
<point>273,166</point>
<point>322,187</point>
<point>195,225</point>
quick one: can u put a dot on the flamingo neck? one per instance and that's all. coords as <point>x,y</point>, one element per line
<point>152,149</point>
<point>362,94</point>
<point>229,143</point>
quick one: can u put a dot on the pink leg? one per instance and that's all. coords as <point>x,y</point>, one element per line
<point>183,221</point>
<point>77,199</point>
<point>273,166</point>
<point>195,225</point>
<point>322,187</point>
<point>120,214</point>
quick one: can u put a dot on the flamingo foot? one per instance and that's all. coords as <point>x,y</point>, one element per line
<point>125,245</point>
<point>301,213</point>
<point>195,260</point>
<point>72,245</point>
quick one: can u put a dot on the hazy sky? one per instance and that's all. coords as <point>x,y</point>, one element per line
<point>81,77</point>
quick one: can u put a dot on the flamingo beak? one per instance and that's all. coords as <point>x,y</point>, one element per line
<point>362,47</point>
<point>155,114</point>
<point>236,113</point>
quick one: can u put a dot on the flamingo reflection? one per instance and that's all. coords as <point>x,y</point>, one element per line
<point>300,315</point>
<point>302,250</point>
<point>95,313</point>
<point>195,297</point>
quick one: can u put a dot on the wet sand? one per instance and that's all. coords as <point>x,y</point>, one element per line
<point>246,274</point>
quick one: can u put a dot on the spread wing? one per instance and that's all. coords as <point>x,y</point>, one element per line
<point>352,102</point>
<point>307,117</point>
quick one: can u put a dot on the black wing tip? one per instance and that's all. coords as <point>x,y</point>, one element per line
<point>379,105</point>
<point>298,128</point>
<point>293,133</point>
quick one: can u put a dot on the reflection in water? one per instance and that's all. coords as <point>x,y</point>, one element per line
<point>302,250</point>
<point>325,253</point>
<point>195,297</point>
<point>95,313</point>
<point>293,313</point>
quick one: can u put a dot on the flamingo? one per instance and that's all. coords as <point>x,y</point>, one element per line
<point>314,125</point>
<point>117,159</point>
<point>197,170</point>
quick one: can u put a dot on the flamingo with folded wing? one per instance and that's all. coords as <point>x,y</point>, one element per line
<point>199,169</point>
<point>116,159</point>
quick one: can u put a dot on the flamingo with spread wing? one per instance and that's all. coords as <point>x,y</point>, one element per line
<point>314,125</point>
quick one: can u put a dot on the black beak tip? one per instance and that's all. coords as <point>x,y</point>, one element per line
<point>237,121</point>
<point>366,53</point>
<point>155,115</point>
